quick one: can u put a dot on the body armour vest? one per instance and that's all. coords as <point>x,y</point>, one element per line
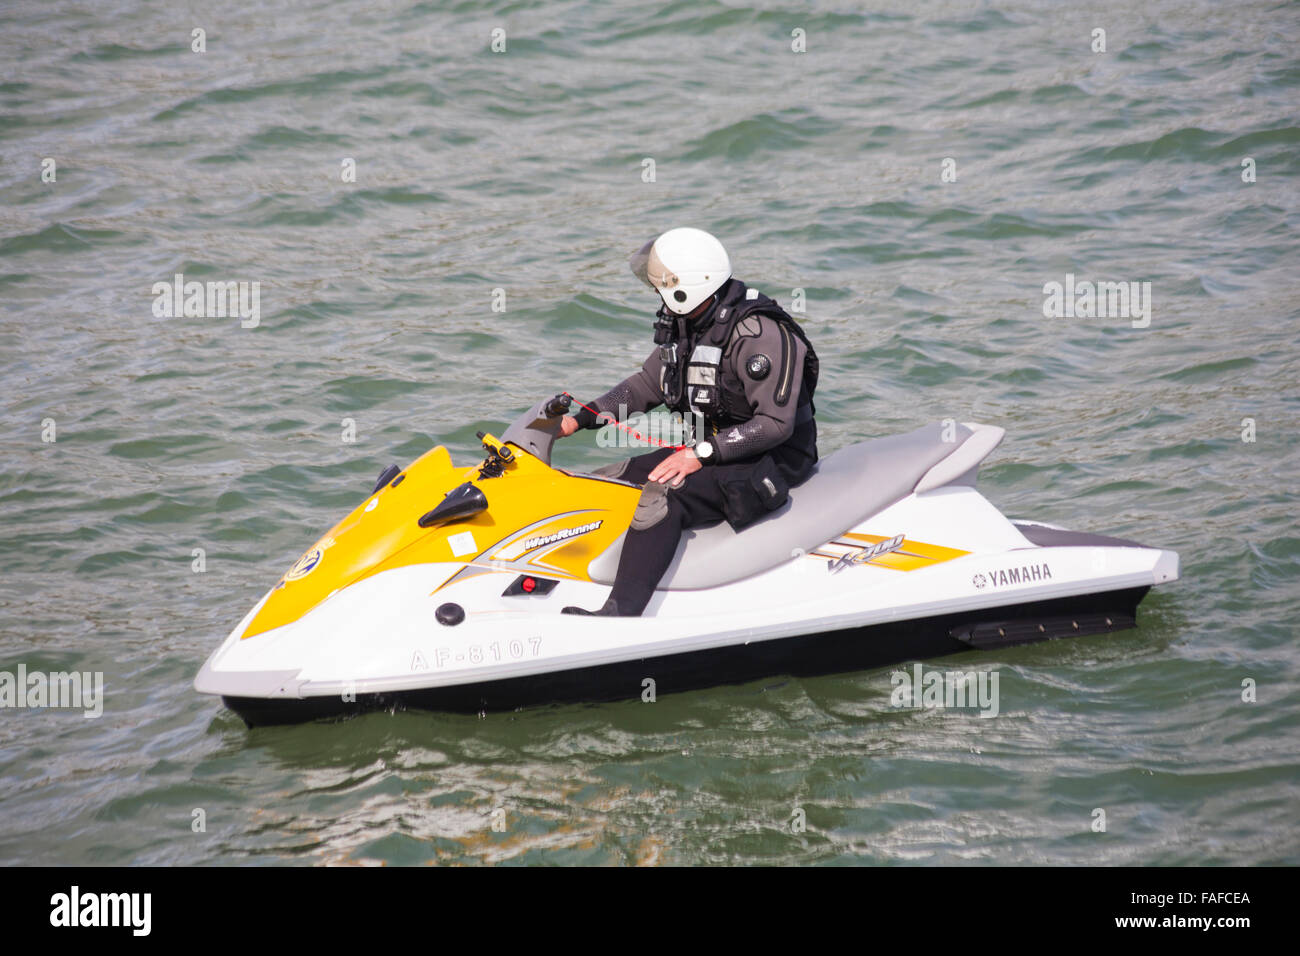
<point>692,380</point>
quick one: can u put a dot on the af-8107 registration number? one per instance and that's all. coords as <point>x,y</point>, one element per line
<point>512,650</point>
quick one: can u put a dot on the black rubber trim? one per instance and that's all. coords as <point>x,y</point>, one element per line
<point>992,634</point>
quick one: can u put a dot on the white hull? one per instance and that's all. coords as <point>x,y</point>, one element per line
<point>380,636</point>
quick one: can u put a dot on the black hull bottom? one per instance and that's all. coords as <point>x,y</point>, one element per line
<point>829,652</point>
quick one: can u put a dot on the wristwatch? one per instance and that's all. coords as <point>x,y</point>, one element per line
<point>704,450</point>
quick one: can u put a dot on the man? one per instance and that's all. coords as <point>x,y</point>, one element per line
<point>733,360</point>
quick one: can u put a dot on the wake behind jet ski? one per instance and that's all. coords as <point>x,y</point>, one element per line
<point>443,588</point>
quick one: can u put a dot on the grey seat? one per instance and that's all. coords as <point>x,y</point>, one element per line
<point>848,486</point>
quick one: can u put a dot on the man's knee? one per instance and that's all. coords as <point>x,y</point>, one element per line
<point>652,507</point>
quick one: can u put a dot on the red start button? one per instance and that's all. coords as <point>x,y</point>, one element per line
<point>528,584</point>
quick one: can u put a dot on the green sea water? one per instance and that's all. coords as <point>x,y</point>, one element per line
<point>529,171</point>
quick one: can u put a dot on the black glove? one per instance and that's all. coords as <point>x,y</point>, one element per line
<point>585,417</point>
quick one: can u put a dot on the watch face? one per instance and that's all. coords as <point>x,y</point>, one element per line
<point>704,449</point>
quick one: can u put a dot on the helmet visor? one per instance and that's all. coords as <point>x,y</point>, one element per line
<point>647,267</point>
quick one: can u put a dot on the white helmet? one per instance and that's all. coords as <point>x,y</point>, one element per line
<point>685,266</point>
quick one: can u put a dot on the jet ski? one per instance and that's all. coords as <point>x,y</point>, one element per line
<point>442,590</point>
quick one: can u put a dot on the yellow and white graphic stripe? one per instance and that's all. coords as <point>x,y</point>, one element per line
<point>910,556</point>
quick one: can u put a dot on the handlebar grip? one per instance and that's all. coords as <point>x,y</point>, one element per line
<point>557,406</point>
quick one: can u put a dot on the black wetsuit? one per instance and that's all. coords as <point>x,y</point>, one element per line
<point>758,416</point>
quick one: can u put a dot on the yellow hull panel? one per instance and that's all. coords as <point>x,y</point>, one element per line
<point>539,520</point>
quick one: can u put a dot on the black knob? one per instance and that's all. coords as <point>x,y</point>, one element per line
<point>449,614</point>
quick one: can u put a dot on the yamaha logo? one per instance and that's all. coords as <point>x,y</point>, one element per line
<point>1004,577</point>
<point>307,563</point>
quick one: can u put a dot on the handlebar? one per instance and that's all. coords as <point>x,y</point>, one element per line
<point>558,406</point>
